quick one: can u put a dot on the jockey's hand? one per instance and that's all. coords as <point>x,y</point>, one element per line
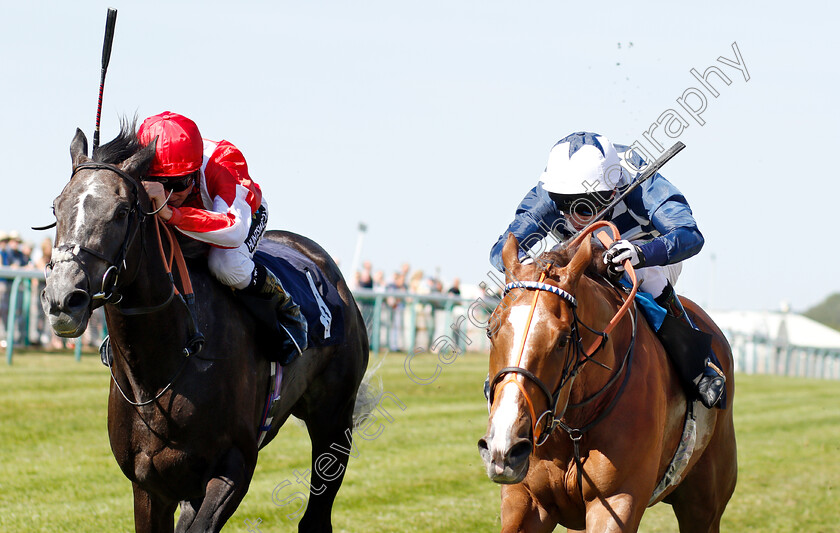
<point>621,251</point>
<point>158,196</point>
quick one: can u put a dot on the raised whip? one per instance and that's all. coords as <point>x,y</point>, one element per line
<point>110,23</point>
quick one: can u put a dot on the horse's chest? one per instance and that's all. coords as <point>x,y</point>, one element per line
<point>154,450</point>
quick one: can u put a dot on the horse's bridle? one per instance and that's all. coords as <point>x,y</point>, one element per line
<point>576,356</point>
<point>116,265</point>
<point>571,364</point>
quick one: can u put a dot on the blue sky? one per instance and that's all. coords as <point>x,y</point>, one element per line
<point>430,120</point>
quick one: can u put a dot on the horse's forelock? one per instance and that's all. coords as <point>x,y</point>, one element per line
<point>561,258</point>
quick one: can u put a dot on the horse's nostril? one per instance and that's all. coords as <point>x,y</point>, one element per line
<point>482,445</point>
<point>76,300</point>
<point>519,452</point>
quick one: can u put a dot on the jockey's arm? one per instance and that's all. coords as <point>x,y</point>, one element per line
<point>234,198</point>
<point>535,217</point>
<point>671,215</point>
<point>225,226</point>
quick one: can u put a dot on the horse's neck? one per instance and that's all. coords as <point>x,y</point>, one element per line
<point>150,285</point>
<point>142,325</point>
<point>597,305</point>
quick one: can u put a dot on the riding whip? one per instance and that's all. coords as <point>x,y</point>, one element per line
<point>110,22</point>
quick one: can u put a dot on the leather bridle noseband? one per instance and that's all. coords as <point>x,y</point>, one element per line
<point>575,359</point>
<point>117,265</point>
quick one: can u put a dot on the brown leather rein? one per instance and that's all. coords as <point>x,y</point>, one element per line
<point>571,365</point>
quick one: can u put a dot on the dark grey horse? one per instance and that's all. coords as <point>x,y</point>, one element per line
<point>187,430</point>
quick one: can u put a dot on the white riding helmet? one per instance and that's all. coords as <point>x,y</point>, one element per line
<point>583,163</point>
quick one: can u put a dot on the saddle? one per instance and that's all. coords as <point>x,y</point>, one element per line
<point>307,285</point>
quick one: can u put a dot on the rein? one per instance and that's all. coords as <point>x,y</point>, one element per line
<point>196,339</point>
<point>571,365</point>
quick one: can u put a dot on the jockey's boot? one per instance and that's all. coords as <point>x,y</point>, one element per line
<point>690,350</point>
<point>288,315</point>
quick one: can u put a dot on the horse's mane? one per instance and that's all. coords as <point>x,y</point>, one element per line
<point>596,269</point>
<point>123,146</point>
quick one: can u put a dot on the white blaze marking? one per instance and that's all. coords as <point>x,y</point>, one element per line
<point>518,318</point>
<point>508,394</point>
<point>78,229</point>
<point>506,415</point>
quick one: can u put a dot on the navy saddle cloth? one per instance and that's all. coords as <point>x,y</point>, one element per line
<point>318,299</point>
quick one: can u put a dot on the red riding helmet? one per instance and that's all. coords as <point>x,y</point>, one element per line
<point>179,148</point>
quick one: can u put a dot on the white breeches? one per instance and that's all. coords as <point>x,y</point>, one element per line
<point>231,266</point>
<point>234,266</point>
<point>654,279</point>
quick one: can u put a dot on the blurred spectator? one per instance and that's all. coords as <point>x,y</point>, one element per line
<point>415,283</point>
<point>365,276</point>
<point>4,245</point>
<point>379,281</point>
<point>434,307</point>
<point>14,256</point>
<point>4,287</point>
<point>396,307</point>
<point>26,249</point>
<point>365,282</point>
<point>455,289</point>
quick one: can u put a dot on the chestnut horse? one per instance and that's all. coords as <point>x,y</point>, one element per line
<point>621,407</point>
<point>183,426</point>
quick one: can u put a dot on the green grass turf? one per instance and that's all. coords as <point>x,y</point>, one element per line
<point>422,473</point>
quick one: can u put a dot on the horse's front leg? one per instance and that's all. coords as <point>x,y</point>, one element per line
<point>151,515</point>
<point>188,511</point>
<point>522,513</point>
<point>619,513</point>
<point>224,491</point>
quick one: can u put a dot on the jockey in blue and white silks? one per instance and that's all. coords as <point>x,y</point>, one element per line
<point>655,218</point>
<point>584,173</point>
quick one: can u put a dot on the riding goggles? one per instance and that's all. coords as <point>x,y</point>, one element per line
<point>175,183</point>
<point>581,206</point>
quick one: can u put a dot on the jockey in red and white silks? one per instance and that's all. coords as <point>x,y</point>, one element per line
<point>204,190</point>
<point>220,200</point>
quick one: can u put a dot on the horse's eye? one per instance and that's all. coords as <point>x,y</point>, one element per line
<point>121,213</point>
<point>561,343</point>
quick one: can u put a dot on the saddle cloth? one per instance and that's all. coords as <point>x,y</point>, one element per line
<point>318,299</point>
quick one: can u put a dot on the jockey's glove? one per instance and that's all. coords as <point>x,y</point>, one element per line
<point>621,251</point>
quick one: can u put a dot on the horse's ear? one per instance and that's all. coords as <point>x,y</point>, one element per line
<point>580,261</point>
<point>510,253</point>
<point>137,165</point>
<point>78,148</point>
